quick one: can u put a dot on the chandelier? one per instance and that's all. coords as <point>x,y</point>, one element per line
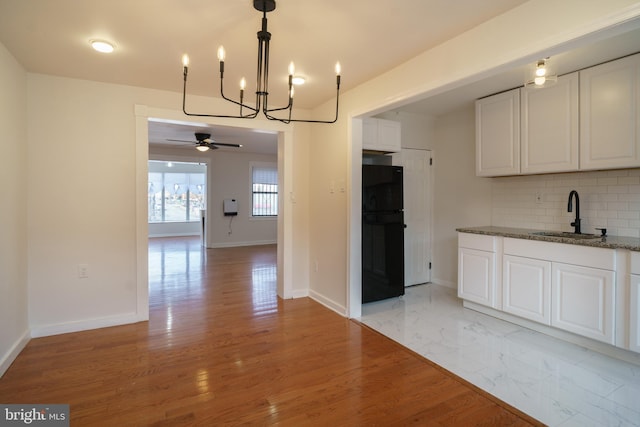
<point>262,81</point>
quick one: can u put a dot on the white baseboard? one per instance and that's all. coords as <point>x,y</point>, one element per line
<point>154,235</point>
<point>237,244</point>
<point>443,282</point>
<point>300,293</point>
<point>600,347</point>
<point>83,325</point>
<point>7,359</point>
<point>329,303</point>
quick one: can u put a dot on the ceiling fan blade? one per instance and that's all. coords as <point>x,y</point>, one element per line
<point>179,140</point>
<point>225,145</point>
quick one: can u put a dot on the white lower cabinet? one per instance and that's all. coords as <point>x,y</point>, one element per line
<point>476,273</point>
<point>526,288</point>
<point>634,303</point>
<point>634,312</point>
<point>477,269</point>
<point>568,287</point>
<point>583,301</point>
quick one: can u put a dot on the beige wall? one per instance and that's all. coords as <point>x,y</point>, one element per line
<point>14,331</point>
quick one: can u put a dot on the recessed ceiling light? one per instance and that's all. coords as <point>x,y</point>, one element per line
<point>102,46</point>
<point>297,80</point>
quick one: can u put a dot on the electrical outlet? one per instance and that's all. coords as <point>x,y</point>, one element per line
<point>538,198</point>
<point>83,271</point>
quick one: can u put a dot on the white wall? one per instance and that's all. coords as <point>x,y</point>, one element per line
<point>14,331</point>
<point>417,130</point>
<point>461,199</point>
<point>230,178</point>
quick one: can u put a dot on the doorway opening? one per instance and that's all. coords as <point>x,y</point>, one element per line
<point>146,119</point>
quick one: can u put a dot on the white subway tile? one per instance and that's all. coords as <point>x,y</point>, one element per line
<point>617,189</point>
<point>628,180</point>
<point>607,181</point>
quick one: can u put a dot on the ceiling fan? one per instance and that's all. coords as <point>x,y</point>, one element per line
<point>204,142</point>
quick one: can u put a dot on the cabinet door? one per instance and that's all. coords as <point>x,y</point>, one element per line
<point>609,109</point>
<point>634,314</point>
<point>583,301</point>
<point>370,134</point>
<point>498,134</point>
<point>549,134</point>
<point>381,135</point>
<point>389,135</point>
<point>526,288</point>
<point>476,276</point>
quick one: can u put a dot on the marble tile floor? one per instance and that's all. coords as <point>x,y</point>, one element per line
<point>558,383</point>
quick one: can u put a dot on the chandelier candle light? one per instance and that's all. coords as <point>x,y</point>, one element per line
<point>262,79</point>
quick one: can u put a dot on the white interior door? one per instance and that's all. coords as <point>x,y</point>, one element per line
<point>417,214</point>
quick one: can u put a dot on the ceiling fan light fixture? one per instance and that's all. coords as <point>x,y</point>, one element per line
<point>541,75</point>
<point>541,68</point>
<point>261,102</point>
<point>202,147</point>
<point>102,46</point>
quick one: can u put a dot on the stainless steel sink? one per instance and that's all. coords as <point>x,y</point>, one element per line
<point>565,234</point>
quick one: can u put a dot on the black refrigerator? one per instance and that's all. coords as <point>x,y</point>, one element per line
<point>382,233</point>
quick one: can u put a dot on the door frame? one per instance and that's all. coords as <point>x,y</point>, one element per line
<point>285,182</point>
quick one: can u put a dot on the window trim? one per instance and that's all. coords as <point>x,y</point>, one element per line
<point>177,160</point>
<point>265,165</point>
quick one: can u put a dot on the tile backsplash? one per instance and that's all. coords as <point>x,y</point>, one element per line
<point>608,199</point>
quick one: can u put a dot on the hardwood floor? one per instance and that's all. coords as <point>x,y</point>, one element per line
<point>221,349</point>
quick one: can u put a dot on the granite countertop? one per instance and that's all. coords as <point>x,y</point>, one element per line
<point>611,242</point>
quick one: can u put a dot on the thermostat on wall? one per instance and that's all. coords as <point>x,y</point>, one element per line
<point>230,207</point>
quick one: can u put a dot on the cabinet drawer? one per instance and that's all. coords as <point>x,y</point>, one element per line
<point>560,252</point>
<point>477,241</point>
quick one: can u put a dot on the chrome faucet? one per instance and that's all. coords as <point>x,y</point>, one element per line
<point>576,223</point>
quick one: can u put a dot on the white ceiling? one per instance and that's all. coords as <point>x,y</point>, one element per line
<point>368,37</point>
<point>252,140</point>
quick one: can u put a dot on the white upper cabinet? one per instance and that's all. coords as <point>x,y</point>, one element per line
<point>609,109</point>
<point>549,120</point>
<point>588,120</point>
<point>498,134</point>
<point>381,135</point>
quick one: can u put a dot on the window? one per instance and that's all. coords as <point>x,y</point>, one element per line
<point>176,191</point>
<point>264,180</point>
